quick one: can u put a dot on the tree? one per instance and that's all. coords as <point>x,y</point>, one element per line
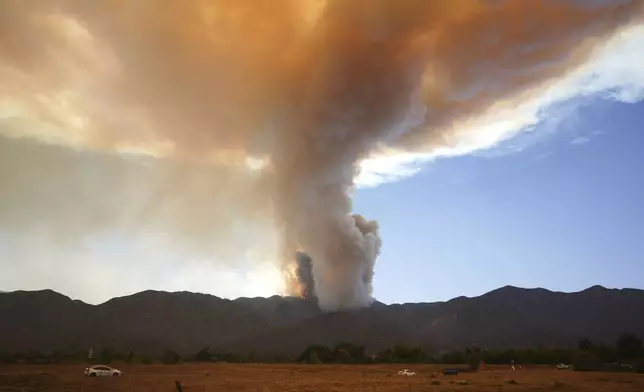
<point>322,353</point>
<point>639,366</point>
<point>585,344</point>
<point>171,357</point>
<point>605,353</point>
<point>474,356</point>
<point>313,357</point>
<point>586,361</point>
<point>456,358</point>
<point>58,356</point>
<point>107,354</point>
<point>280,357</point>
<point>629,346</point>
<point>204,355</point>
<point>342,356</point>
<point>404,354</point>
<point>356,353</point>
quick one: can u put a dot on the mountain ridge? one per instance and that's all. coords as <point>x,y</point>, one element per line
<point>277,296</point>
<point>152,321</point>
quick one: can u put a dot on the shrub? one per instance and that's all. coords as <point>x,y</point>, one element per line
<point>107,355</point>
<point>317,353</point>
<point>629,346</point>
<point>204,355</point>
<point>171,358</point>
<point>474,362</point>
<point>639,366</point>
<point>585,344</point>
<point>586,361</point>
<point>313,357</point>
<point>342,356</point>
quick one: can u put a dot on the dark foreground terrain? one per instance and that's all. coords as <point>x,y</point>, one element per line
<point>312,378</point>
<point>151,322</point>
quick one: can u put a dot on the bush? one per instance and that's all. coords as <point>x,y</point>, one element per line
<point>585,344</point>
<point>586,361</point>
<point>629,346</point>
<point>474,358</point>
<point>342,356</point>
<point>204,355</point>
<point>404,354</point>
<point>313,358</point>
<point>639,366</point>
<point>454,357</point>
<point>107,355</point>
<point>349,353</point>
<point>316,353</point>
<point>171,358</point>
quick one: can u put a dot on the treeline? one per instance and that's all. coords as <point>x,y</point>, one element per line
<point>626,354</point>
<point>105,356</point>
<point>108,355</point>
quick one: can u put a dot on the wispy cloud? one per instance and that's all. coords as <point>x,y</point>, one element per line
<point>614,73</point>
<point>580,140</point>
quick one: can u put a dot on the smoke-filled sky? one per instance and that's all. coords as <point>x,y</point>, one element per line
<point>201,145</point>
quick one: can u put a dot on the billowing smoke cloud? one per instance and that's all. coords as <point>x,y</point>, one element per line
<point>210,124</point>
<point>304,273</point>
<point>358,279</point>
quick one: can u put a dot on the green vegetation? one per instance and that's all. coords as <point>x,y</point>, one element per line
<point>627,354</point>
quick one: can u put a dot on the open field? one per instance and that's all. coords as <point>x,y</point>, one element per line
<point>311,378</point>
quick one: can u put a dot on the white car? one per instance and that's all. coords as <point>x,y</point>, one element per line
<point>406,372</point>
<point>101,370</point>
<point>563,366</point>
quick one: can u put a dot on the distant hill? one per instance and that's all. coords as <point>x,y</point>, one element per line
<point>152,321</point>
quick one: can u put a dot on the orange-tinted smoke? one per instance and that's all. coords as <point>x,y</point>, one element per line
<point>311,87</point>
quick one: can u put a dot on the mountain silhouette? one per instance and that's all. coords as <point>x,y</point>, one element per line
<point>150,322</point>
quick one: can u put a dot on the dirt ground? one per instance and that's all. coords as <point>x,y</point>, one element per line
<point>309,378</point>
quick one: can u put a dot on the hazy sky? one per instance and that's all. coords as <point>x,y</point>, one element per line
<point>116,179</point>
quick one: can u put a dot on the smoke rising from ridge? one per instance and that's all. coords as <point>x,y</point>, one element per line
<point>216,123</point>
<point>304,273</point>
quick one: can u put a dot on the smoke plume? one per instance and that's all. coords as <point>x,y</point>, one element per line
<point>304,273</point>
<point>361,285</point>
<point>211,124</point>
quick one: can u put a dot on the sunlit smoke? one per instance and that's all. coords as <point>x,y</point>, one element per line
<point>235,129</point>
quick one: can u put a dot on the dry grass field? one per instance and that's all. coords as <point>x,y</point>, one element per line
<point>309,378</point>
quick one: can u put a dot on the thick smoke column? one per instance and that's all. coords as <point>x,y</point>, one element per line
<point>299,91</point>
<point>361,285</point>
<point>304,273</point>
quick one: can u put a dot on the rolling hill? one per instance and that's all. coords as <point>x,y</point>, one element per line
<point>152,321</point>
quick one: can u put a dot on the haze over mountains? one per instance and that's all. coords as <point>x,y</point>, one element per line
<point>152,321</point>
